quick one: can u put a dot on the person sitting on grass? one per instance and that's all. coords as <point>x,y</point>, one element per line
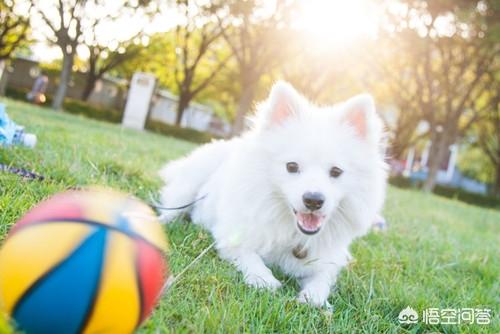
<point>37,94</point>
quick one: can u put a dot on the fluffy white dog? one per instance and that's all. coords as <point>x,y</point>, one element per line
<point>293,192</point>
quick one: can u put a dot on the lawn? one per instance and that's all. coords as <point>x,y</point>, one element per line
<point>437,253</point>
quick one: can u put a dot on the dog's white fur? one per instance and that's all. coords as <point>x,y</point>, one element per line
<point>252,199</point>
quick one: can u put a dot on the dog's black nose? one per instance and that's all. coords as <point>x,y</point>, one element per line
<point>313,201</point>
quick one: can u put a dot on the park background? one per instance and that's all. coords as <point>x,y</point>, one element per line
<point>433,67</point>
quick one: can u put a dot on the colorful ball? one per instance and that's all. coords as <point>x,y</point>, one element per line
<point>90,261</point>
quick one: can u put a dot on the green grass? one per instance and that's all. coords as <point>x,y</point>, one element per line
<point>437,252</point>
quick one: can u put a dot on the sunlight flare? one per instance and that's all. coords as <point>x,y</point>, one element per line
<point>338,22</point>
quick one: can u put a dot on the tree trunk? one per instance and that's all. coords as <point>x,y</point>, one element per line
<point>244,106</point>
<point>496,186</point>
<point>437,153</point>
<point>396,149</point>
<point>89,86</point>
<point>402,138</point>
<point>2,68</point>
<point>64,79</point>
<point>181,107</point>
<point>3,77</point>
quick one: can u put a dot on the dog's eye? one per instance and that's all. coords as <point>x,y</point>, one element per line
<point>292,167</point>
<point>335,172</point>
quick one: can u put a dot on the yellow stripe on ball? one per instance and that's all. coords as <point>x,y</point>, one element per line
<point>38,256</point>
<point>118,296</point>
<point>144,222</point>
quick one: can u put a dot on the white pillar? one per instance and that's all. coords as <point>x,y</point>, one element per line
<point>409,161</point>
<point>452,162</point>
<point>141,91</point>
<point>425,155</point>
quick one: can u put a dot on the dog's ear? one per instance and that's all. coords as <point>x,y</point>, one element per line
<point>360,113</point>
<point>283,102</point>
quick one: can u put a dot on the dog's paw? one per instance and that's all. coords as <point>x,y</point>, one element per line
<point>263,281</point>
<point>314,297</point>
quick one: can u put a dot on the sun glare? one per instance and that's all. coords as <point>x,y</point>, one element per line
<point>338,21</point>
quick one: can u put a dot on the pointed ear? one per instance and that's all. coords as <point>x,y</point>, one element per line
<point>360,113</point>
<point>283,102</point>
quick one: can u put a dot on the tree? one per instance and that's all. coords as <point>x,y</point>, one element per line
<point>390,79</point>
<point>13,28</point>
<point>106,54</point>
<point>257,41</point>
<point>197,40</point>
<point>66,29</point>
<point>488,134</point>
<point>158,57</point>
<point>446,57</point>
<point>474,164</point>
<point>70,23</point>
<point>103,60</point>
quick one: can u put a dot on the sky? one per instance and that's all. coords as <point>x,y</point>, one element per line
<point>332,22</point>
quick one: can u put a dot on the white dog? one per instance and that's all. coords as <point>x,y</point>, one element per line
<point>293,192</point>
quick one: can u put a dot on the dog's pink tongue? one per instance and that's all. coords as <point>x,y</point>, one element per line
<point>309,220</point>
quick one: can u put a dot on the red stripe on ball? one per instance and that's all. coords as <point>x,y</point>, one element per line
<point>60,207</point>
<point>153,271</point>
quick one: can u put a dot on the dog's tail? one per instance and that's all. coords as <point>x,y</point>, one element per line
<point>185,177</point>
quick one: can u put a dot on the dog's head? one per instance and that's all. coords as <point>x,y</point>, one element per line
<point>317,156</point>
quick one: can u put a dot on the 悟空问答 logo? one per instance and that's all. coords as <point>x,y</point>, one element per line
<point>408,316</point>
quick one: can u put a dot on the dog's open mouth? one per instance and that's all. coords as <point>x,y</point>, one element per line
<point>309,222</point>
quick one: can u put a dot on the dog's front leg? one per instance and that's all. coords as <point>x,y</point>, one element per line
<point>256,273</point>
<point>316,288</point>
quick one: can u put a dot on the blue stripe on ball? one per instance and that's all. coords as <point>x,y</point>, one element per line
<point>66,293</point>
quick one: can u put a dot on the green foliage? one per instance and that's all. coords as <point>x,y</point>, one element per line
<point>73,106</point>
<point>78,107</point>
<point>14,28</point>
<point>158,58</point>
<point>187,134</point>
<point>54,67</point>
<point>401,182</point>
<point>16,94</point>
<point>474,163</point>
<point>436,253</point>
<point>467,197</point>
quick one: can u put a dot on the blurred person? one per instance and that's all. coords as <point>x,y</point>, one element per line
<point>37,94</point>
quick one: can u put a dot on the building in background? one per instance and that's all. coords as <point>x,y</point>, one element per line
<point>197,116</point>
<point>111,93</point>
<point>415,167</point>
<point>108,93</point>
